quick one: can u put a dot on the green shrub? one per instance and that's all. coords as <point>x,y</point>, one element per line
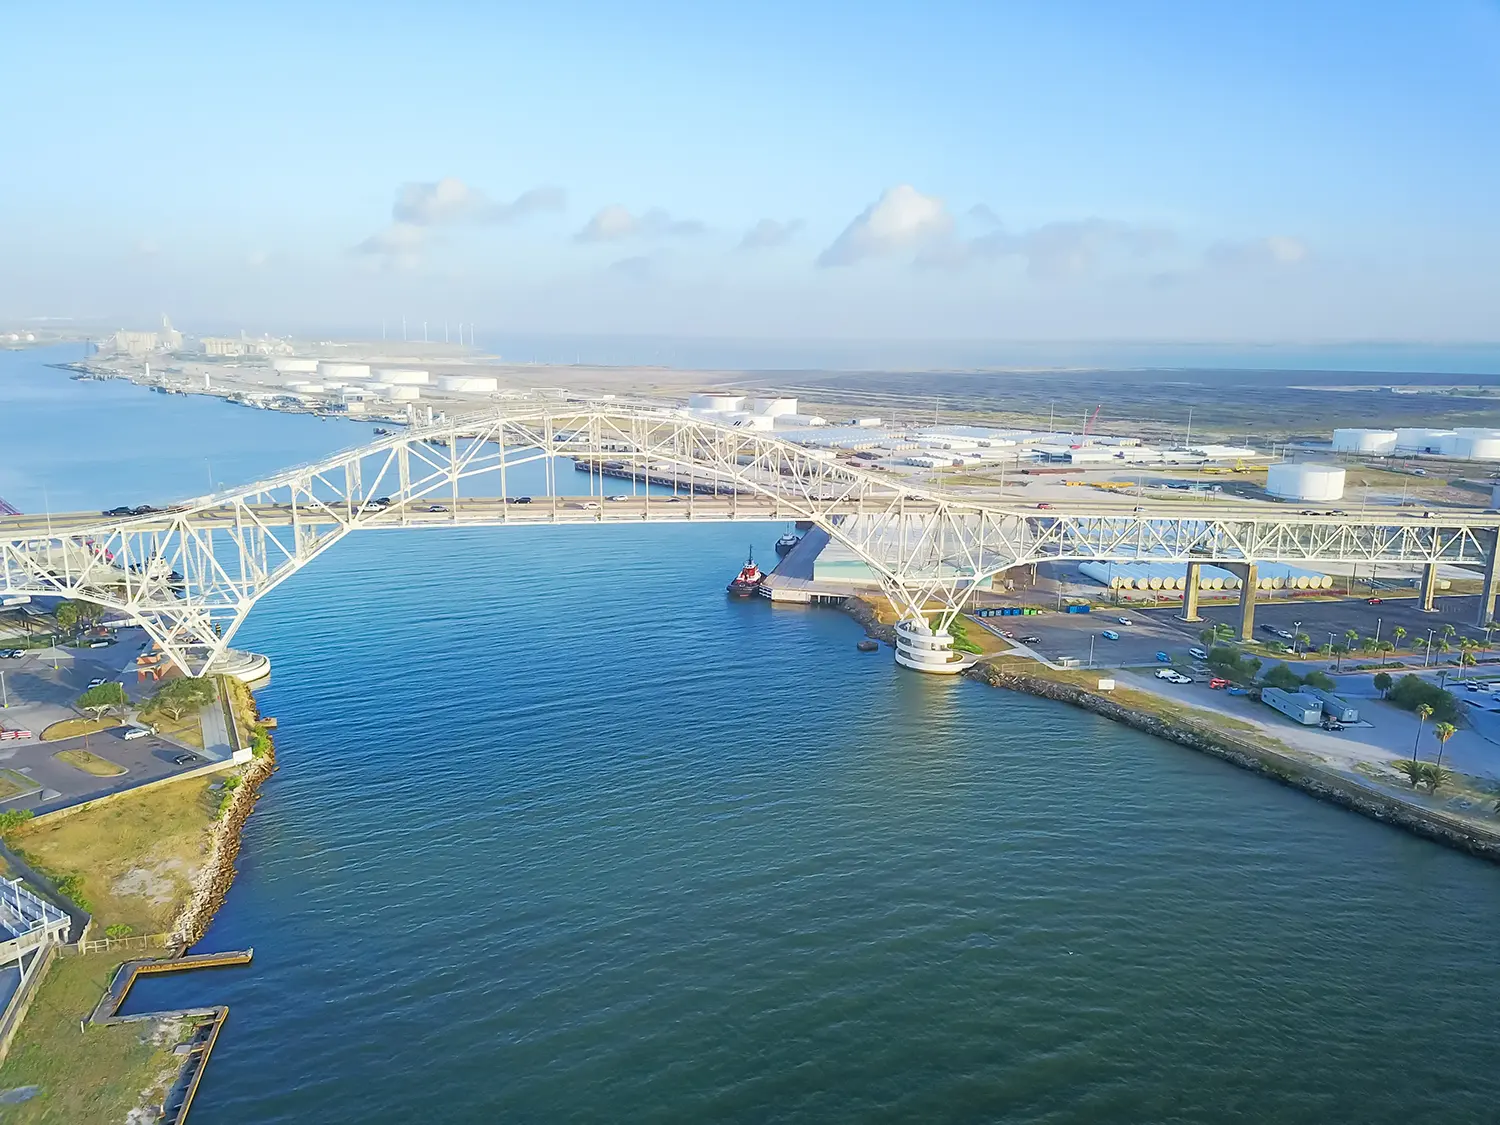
<point>1411,692</point>
<point>71,886</point>
<point>12,820</point>
<point>119,929</point>
<point>260,743</point>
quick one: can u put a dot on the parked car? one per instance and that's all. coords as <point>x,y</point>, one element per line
<point>1031,640</point>
<point>1471,686</point>
<point>96,681</point>
<point>1218,683</point>
<point>185,759</point>
<point>1198,653</point>
<point>1165,673</point>
<point>1179,678</point>
<point>1331,724</point>
<point>1110,635</point>
<point>135,732</point>
<point>1008,634</point>
<point>1164,658</point>
<point>1044,504</point>
<point>1268,629</point>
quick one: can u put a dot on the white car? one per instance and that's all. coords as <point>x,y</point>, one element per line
<point>1165,674</point>
<point>617,499</point>
<point>134,733</point>
<point>96,681</point>
<point>1124,621</point>
<point>589,505</point>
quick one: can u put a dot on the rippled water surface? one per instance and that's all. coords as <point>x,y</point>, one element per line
<point>562,834</point>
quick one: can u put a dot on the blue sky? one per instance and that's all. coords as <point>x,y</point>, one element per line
<point>1268,171</point>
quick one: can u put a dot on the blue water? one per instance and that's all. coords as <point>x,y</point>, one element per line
<point>561,834</point>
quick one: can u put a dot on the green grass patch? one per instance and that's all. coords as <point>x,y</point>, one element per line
<point>133,857</point>
<point>90,763</point>
<point>73,728</point>
<point>14,784</point>
<point>97,1075</point>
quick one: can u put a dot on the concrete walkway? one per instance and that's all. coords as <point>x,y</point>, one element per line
<point>216,744</point>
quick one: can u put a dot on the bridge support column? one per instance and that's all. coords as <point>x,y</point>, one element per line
<point>1491,583</point>
<point>1190,593</point>
<point>1429,587</point>
<point>1249,576</point>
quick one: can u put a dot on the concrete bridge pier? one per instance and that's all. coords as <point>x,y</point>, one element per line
<point>1491,582</point>
<point>1429,587</point>
<point>1249,576</point>
<point>1190,593</point>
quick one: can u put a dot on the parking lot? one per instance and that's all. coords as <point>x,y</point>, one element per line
<point>1068,635</point>
<point>1320,618</point>
<point>42,687</point>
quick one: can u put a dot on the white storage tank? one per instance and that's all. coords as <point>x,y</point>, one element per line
<point>285,364</point>
<point>401,376</point>
<point>405,392</point>
<point>716,404</point>
<point>773,407</point>
<point>1420,439</point>
<point>468,384</point>
<point>1364,441</point>
<point>1302,480</point>
<point>381,389</point>
<point>332,370</point>
<point>1471,444</point>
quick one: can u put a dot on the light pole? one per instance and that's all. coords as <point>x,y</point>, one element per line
<point>4,694</point>
<point>1296,633</point>
<point>1426,660</point>
<point>1091,650</point>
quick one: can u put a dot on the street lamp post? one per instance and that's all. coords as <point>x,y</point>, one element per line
<point>1296,633</point>
<point>1091,650</point>
<point>1426,660</point>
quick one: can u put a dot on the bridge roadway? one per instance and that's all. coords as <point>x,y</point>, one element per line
<point>488,511</point>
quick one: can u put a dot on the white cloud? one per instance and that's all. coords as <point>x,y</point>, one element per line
<point>450,201</point>
<point>1277,250</point>
<point>769,233</point>
<point>1058,251</point>
<point>615,223</point>
<point>901,218</point>
<point>445,203</point>
<point>638,268</point>
<point>399,244</point>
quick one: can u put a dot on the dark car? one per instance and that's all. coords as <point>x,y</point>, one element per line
<point>1031,640</point>
<point>1331,724</point>
<point>122,510</point>
<point>185,759</point>
<point>143,510</point>
<point>523,499</point>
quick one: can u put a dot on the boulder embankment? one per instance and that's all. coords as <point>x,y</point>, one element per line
<point>217,874</point>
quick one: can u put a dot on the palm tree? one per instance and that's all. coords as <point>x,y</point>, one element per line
<point>1338,651</point>
<point>1351,639</point>
<point>1398,634</point>
<point>1412,771</point>
<point>1383,683</point>
<point>1424,712</point>
<point>1434,775</point>
<point>1443,732</point>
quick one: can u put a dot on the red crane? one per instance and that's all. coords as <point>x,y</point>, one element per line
<point>1087,426</point>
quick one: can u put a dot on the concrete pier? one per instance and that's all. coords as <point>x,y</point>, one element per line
<point>1491,582</point>
<point>1249,576</point>
<point>1190,593</point>
<point>1429,587</point>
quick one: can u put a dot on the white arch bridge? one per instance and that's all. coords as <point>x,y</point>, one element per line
<point>190,575</point>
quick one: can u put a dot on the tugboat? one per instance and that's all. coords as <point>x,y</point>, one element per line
<point>748,580</point>
<point>381,431</point>
<point>785,544</point>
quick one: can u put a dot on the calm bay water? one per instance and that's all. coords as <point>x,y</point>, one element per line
<point>562,834</point>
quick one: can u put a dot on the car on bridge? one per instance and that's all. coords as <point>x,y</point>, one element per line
<point>437,508</point>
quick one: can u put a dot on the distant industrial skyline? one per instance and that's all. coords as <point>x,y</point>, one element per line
<point>1077,171</point>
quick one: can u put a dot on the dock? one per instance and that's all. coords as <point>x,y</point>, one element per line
<point>207,1021</point>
